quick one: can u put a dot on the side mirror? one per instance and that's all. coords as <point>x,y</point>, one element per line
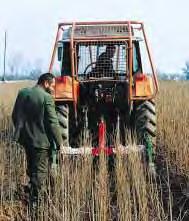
<point>60,51</point>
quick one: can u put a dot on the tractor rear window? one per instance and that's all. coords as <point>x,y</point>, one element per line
<point>136,58</point>
<point>66,63</point>
<point>99,60</point>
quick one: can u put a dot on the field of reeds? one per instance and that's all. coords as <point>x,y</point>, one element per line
<point>79,191</point>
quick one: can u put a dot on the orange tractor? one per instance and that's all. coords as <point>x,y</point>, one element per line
<point>106,84</point>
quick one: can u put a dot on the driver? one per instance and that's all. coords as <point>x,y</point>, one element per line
<point>104,64</point>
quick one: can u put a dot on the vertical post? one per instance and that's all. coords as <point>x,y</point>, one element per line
<point>130,62</point>
<point>117,62</point>
<point>5,53</point>
<point>90,53</point>
<point>97,52</point>
<point>72,50</point>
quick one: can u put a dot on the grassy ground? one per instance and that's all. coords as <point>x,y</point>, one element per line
<point>8,92</point>
<point>128,193</point>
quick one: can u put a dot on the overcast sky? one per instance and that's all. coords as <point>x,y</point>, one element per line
<point>31,26</point>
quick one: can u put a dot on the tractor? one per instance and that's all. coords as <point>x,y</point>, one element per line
<point>106,85</point>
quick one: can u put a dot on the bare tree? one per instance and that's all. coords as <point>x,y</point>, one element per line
<point>186,70</point>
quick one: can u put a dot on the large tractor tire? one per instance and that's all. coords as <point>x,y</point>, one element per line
<point>63,117</point>
<point>145,125</point>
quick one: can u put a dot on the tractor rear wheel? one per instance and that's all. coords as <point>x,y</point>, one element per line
<point>145,125</point>
<point>63,117</point>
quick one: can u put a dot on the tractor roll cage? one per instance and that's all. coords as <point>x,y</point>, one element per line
<point>126,34</point>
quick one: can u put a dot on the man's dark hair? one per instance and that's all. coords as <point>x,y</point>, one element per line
<point>45,77</point>
<point>110,47</point>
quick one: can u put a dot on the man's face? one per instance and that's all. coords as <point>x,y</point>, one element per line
<point>50,86</point>
<point>111,52</point>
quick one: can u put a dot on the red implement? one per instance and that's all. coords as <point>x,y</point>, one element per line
<point>102,141</point>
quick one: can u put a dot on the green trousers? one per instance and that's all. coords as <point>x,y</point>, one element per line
<point>38,161</point>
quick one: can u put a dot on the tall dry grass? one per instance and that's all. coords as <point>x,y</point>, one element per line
<point>81,191</point>
<point>173,123</point>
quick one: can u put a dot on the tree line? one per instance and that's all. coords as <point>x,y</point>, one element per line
<point>18,69</point>
<point>184,75</point>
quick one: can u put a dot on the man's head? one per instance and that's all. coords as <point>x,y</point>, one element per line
<point>110,50</point>
<point>47,81</point>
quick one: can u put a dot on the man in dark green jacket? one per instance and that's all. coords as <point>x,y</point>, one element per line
<point>36,123</point>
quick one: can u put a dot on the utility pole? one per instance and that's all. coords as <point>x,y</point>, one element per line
<point>5,53</point>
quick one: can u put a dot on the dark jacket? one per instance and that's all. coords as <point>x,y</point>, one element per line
<point>35,118</point>
<point>104,66</point>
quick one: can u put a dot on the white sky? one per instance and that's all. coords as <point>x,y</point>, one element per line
<point>32,25</point>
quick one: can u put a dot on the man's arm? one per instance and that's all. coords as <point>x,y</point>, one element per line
<point>15,110</point>
<point>18,110</point>
<point>52,120</point>
<point>14,114</point>
<point>17,116</point>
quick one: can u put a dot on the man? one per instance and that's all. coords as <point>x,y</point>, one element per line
<point>104,64</point>
<point>36,122</point>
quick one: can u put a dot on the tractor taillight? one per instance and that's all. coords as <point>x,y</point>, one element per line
<point>140,77</point>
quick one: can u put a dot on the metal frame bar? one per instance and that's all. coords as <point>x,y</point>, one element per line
<point>72,53</point>
<point>117,62</point>
<point>101,23</point>
<point>54,50</point>
<point>108,38</point>
<point>130,63</point>
<point>100,40</point>
<point>90,52</point>
<point>150,58</point>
